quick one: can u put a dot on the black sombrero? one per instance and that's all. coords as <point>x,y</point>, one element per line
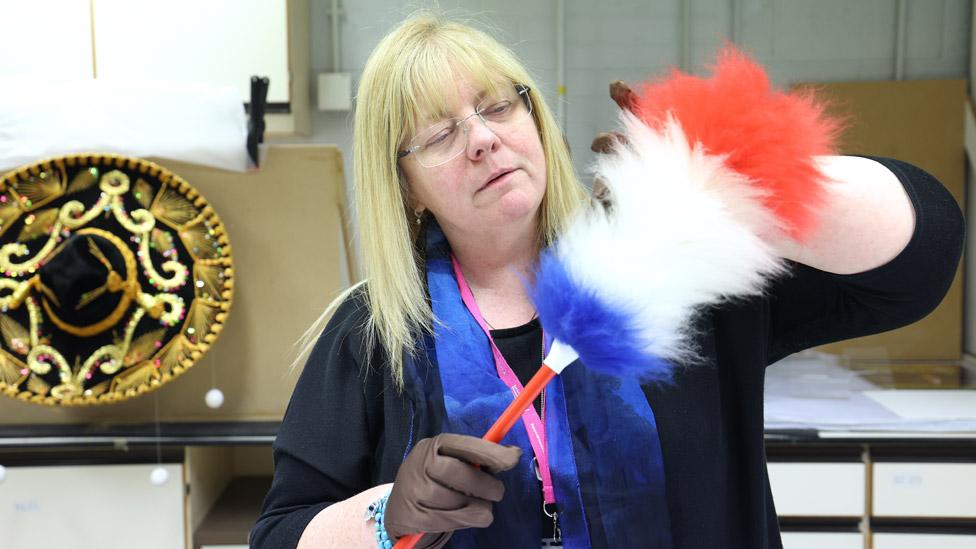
<point>115,277</point>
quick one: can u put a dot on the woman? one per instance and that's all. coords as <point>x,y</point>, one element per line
<point>462,177</point>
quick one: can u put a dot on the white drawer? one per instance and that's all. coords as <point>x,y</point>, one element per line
<point>818,489</point>
<point>923,541</point>
<point>925,490</point>
<point>820,540</point>
<point>91,507</point>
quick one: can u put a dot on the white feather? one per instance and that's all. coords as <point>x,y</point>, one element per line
<point>683,232</point>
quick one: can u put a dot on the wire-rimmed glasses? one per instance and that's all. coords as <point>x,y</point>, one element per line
<point>445,140</point>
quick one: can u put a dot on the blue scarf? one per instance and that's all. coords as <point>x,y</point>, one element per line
<point>604,453</point>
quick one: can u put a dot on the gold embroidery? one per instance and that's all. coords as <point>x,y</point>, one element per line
<point>133,378</point>
<point>15,335</point>
<point>99,389</point>
<point>109,359</point>
<point>12,371</point>
<point>201,240</point>
<point>37,385</point>
<point>83,180</point>
<point>140,222</point>
<point>38,225</point>
<point>168,308</point>
<point>210,276</point>
<point>144,347</point>
<point>174,357</point>
<point>172,208</point>
<point>129,285</point>
<point>202,314</point>
<point>74,215</point>
<point>163,241</point>
<point>175,268</point>
<point>19,250</point>
<point>10,210</point>
<point>143,193</point>
<point>37,190</point>
<point>20,290</point>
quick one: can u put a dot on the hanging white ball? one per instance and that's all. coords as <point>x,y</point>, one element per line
<point>3,473</point>
<point>214,398</point>
<point>159,476</point>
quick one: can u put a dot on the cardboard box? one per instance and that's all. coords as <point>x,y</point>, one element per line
<point>920,122</point>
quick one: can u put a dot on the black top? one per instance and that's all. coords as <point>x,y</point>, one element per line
<point>347,429</point>
<point>522,348</point>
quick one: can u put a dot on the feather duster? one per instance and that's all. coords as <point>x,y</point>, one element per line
<point>706,169</point>
<point>769,136</point>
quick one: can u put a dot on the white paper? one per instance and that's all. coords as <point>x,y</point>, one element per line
<point>813,391</point>
<point>190,122</point>
<point>918,405</point>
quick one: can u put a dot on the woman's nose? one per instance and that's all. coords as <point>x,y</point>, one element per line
<point>481,138</point>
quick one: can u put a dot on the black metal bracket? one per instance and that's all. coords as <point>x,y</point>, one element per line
<point>255,122</point>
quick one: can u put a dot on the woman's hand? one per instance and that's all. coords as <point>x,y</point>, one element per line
<point>438,490</point>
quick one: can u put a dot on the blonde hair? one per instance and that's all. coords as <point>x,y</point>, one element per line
<point>410,76</point>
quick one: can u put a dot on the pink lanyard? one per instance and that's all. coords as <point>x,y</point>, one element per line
<point>533,424</point>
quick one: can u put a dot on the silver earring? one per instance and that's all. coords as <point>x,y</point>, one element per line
<point>418,214</point>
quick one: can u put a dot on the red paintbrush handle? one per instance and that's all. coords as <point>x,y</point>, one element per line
<point>524,399</point>
<point>502,426</point>
<point>408,541</point>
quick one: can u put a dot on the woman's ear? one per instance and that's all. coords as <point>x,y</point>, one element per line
<point>413,203</point>
<point>409,198</point>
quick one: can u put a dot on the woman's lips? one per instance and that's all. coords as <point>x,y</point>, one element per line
<point>501,178</point>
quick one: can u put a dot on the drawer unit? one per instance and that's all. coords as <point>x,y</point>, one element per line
<point>92,507</point>
<point>946,490</point>
<point>922,541</point>
<point>820,540</point>
<point>818,489</point>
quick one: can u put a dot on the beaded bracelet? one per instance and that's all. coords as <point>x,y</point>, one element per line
<point>376,512</point>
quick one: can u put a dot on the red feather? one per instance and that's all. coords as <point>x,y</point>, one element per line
<point>765,134</point>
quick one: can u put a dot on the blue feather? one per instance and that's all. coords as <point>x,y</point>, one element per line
<point>606,338</point>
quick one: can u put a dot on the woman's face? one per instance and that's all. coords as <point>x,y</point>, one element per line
<point>498,179</point>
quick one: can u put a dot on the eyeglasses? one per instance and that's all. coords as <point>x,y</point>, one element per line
<point>442,142</point>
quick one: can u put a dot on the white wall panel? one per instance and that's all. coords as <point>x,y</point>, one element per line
<point>48,39</point>
<point>224,42</point>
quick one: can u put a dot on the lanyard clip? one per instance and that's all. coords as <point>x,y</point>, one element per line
<point>557,536</point>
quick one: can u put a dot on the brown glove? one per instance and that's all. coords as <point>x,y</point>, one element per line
<point>626,99</point>
<point>438,490</point>
<point>606,142</point>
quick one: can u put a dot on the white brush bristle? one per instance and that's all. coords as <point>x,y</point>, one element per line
<point>683,232</point>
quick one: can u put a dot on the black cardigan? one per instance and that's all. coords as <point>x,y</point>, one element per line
<point>346,429</point>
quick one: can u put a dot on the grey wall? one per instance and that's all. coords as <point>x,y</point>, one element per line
<point>797,40</point>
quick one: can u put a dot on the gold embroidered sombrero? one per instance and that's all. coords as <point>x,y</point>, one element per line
<point>115,277</point>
